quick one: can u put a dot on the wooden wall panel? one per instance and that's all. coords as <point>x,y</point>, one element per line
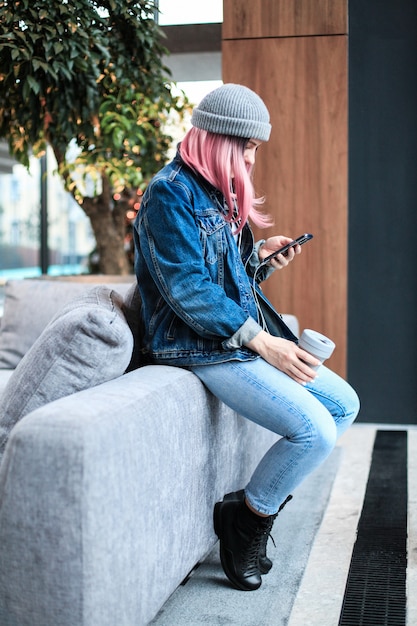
<point>302,170</point>
<point>283,18</point>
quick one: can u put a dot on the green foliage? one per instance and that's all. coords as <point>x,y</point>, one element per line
<point>90,72</point>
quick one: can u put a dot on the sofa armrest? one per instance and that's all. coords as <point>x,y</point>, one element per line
<point>106,497</point>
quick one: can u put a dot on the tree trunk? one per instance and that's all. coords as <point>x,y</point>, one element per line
<point>108,221</point>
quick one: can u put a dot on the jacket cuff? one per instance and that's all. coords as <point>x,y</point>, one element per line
<point>254,259</point>
<point>243,335</point>
<point>254,262</point>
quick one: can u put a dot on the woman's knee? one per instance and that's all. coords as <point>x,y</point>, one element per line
<point>337,395</point>
<point>354,403</point>
<point>350,411</point>
<point>323,435</point>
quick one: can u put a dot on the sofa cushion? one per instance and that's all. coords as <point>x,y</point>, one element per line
<point>30,304</point>
<point>87,343</point>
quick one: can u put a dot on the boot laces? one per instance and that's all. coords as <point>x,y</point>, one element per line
<point>258,540</point>
<point>267,533</point>
<point>250,555</point>
<point>272,519</point>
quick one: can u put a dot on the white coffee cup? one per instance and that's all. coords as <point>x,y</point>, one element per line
<point>317,345</point>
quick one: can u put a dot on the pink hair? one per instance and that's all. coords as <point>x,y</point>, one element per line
<point>216,157</point>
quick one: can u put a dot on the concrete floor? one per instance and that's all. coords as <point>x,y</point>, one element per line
<point>314,538</point>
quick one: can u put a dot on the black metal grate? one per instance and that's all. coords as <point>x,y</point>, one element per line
<point>375,593</point>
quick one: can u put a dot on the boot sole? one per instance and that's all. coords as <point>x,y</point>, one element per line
<point>217,523</point>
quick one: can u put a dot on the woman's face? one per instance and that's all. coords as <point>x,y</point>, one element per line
<point>249,153</point>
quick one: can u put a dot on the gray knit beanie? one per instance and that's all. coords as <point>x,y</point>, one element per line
<point>233,110</point>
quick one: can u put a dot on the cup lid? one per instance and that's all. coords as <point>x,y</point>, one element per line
<point>319,345</point>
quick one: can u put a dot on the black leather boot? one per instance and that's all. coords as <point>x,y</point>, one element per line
<point>265,562</point>
<point>240,532</point>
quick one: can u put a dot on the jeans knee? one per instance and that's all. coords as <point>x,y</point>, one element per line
<point>355,404</point>
<point>350,412</point>
<point>323,437</point>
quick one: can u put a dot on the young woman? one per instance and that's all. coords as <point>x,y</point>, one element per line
<point>198,270</point>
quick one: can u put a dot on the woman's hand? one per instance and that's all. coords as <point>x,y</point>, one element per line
<point>275,243</point>
<point>286,356</point>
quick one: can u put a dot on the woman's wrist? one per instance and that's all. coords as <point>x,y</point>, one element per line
<point>258,343</point>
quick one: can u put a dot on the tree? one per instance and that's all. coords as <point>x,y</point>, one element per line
<point>88,75</point>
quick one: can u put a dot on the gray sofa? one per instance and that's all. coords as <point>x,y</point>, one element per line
<point>107,485</point>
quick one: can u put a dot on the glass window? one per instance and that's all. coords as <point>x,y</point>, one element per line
<point>70,239</point>
<point>19,222</point>
<point>189,12</point>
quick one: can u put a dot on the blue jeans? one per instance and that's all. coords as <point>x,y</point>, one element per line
<point>309,419</point>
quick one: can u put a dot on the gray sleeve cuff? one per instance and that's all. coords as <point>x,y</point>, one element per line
<point>245,333</point>
<point>254,261</point>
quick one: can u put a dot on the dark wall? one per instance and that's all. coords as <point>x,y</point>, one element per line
<point>382,311</point>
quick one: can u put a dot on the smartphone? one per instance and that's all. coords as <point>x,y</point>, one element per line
<point>284,250</point>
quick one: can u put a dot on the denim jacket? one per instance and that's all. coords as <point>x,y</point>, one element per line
<point>196,283</point>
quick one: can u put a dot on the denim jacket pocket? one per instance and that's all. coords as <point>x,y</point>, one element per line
<point>213,236</point>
